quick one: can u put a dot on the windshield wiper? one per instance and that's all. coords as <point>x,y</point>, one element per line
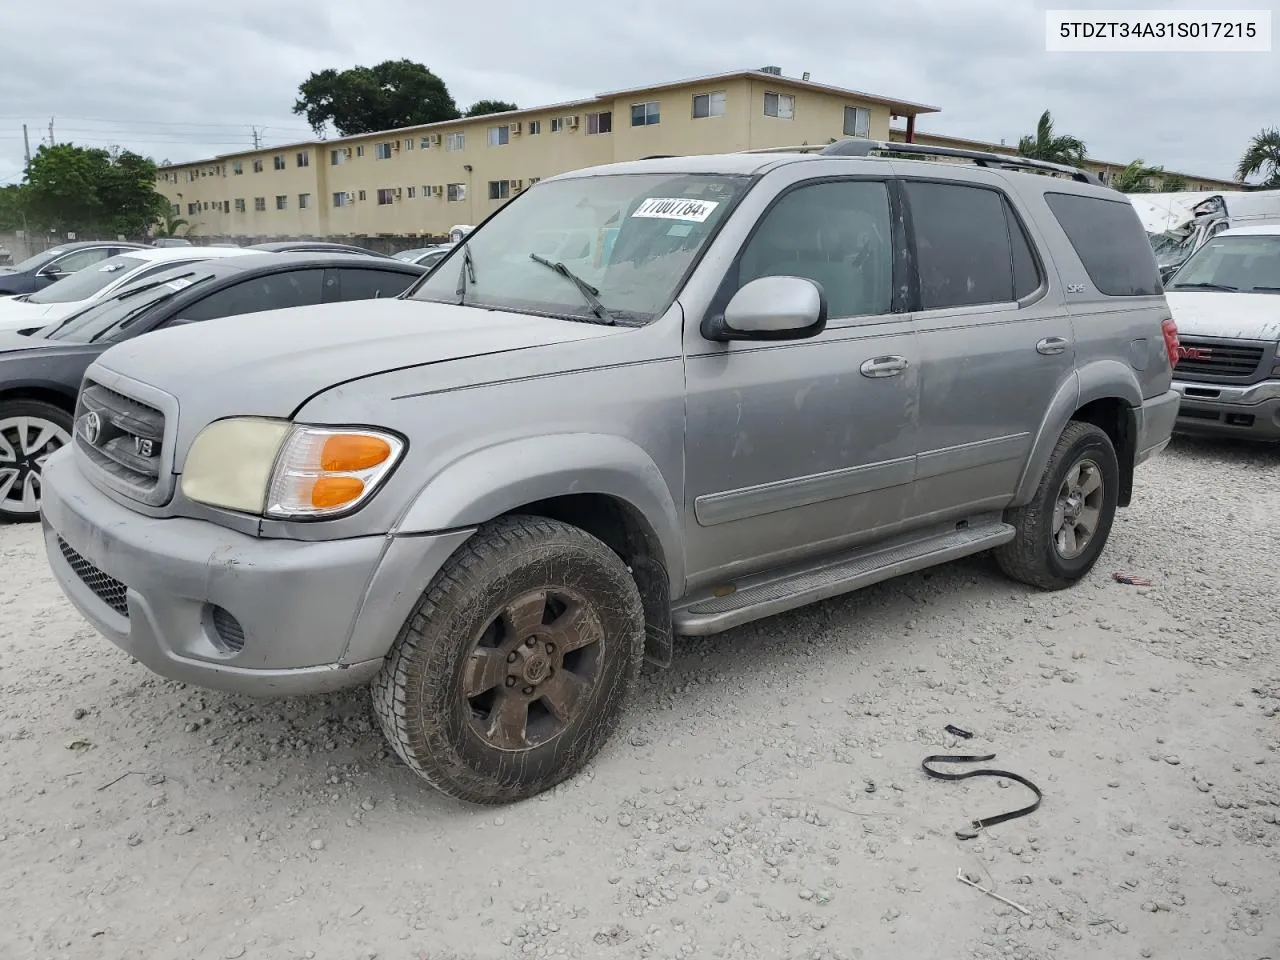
<point>1208,286</point>
<point>589,293</point>
<point>467,272</point>
<point>1268,289</point>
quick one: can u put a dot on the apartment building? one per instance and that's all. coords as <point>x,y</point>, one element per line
<point>423,180</point>
<point>1103,168</point>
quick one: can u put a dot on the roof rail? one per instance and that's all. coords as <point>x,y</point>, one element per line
<point>862,147</point>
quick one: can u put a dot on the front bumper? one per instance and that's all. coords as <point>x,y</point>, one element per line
<point>1211,409</point>
<point>208,606</point>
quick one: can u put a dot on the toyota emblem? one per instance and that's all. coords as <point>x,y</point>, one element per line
<point>91,427</point>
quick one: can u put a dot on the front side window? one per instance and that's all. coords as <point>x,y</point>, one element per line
<point>74,262</point>
<point>294,288</point>
<point>838,234</point>
<point>645,114</point>
<point>1249,264</point>
<point>88,281</point>
<point>632,237</point>
<point>963,252</point>
<point>372,284</point>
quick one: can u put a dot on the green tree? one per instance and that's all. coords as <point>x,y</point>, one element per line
<point>483,107</point>
<point>91,191</point>
<point>1262,157</point>
<point>394,93</point>
<point>1173,183</point>
<point>1044,145</point>
<point>170,224</point>
<point>12,207</point>
<point>1137,177</point>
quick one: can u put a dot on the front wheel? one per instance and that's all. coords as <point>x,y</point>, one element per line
<point>30,430</point>
<point>512,670</point>
<point>1062,531</point>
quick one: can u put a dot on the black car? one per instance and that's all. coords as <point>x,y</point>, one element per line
<point>36,273</point>
<point>313,246</point>
<point>40,374</point>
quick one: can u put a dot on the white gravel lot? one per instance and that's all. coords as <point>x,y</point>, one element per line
<point>764,797</point>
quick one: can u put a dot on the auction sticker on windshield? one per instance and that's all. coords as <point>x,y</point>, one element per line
<point>676,208</point>
<point>178,283</point>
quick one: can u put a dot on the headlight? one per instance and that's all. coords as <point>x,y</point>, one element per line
<point>281,470</point>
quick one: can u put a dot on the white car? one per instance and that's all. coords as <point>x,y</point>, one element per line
<point>97,282</point>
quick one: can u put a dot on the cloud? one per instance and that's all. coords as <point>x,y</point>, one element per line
<point>185,81</point>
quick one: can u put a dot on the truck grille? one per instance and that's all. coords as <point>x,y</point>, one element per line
<point>105,587</point>
<point>121,435</point>
<point>1226,359</point>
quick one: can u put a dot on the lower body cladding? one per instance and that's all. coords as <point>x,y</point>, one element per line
<point>204,605</point>
<point>1224,410</point>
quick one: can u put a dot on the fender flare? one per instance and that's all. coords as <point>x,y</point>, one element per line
<point>491,481</point>
<point>1098,380</point>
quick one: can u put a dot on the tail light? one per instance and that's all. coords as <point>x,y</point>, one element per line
<point>1170,331</point>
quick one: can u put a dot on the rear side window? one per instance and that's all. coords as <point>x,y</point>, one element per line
<point>1109,240</point>
<point>373,284</point>
<point>963,252</point>
<point>275,291</point>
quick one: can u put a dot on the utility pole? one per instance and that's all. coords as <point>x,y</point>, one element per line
<point>51,140</point>
<point>257,138</point>
<point>26,144</point>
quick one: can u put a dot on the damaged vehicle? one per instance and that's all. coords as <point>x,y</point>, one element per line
<point>1179,224</point>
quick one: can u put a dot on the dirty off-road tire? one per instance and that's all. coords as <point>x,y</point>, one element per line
<point>30,430</point>
<point>1062,531</point>
<point>511,671</point>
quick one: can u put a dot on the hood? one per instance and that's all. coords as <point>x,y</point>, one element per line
<point>266,364</point>
<point>16,343</point>
<point>1214,313</point>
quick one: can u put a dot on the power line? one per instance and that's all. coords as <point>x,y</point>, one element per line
<point>160,123</point>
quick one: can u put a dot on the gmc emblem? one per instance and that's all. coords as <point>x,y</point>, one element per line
<point>1194,353</point>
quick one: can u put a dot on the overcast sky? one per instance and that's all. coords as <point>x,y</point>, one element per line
<point>181,81</point>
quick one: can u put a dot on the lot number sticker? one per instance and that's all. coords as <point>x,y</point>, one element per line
<point>676,208</point>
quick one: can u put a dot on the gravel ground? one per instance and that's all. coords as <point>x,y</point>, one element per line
<point>763,798</point>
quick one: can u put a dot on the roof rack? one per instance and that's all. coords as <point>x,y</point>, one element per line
<point>862,147</point>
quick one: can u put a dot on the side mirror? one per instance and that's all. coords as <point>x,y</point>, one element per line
<point>771,308</point>
<point>51,273</point>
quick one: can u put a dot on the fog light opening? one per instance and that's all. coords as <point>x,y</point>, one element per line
<point>225,631</point>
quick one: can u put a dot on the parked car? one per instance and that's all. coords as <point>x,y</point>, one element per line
<point>37,272</point>
<point>787,377</point>
<point>315,246</point>
<point>1226,301</point>
<point>100,280</point>
<point>426,256</point>
<point>40,374</point>
<point>172,242</point>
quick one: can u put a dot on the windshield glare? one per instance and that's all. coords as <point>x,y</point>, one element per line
<point>1247,264</point>
<point>630,236</point>
<point>83,284</point>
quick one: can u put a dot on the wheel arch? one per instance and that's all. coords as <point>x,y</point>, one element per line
<point>51,393</point>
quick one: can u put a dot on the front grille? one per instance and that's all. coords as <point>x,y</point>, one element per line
<point>105,587</point>
<point>1226,359</point>
<point>121,435</point>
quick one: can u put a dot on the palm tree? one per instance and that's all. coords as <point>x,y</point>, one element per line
<point>1137,177</point>
<point>1262,157</point>
<point>1045,146</point>
<point>170,225</point>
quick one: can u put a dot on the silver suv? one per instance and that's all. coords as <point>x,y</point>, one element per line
<point>751,382</point>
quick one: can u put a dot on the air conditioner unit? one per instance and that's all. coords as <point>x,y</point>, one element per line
<point>571,122</point>
<point>397,193</point>
<point>515,128</point>
<point>517,185</point>
<point>436,139</point>
<point>351,198</point>
<point>395,146</point>
<point>437,191</point>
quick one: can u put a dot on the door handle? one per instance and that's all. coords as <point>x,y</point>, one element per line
<point>1051,345</point>
<point>883,366</point>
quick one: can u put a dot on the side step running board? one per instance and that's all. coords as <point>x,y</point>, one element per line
<point>764,595</point>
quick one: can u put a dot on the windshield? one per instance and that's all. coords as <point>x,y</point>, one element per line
<point>104,319</point>
<point>83,284</point>
<point>630,237</point>
<point>1243,263</point>
<point>1171,248</point>
<point>39,260</point>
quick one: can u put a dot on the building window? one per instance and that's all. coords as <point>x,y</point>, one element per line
<point>408,143</point>
<point>340,199</point>
<point>382,151</point>
<point>385,196</point>
<point>206,205</point>
<point>857,122</point>
<point>708,105</point>
<point>278,160</point>
<point>257,166</point>
<point>304,159</point>
<point>645,114</point>
<point>535,127</point>
<point>304,201</point>
<point>192,208</point>
<point>240,205</point>
<point>237,168</point>
<point>457,192</point>
<point>360,150</point>
<point>361,195</point>
<point>600,122</point>
<point>425,143</point>
<point>499,135</point>
<point>337,156</point>
<point>413,192</point>
<point>557,124</point>
<point>780,105</point>
<point>259,204</point>
<point>282,202</point>
<point>176,208</point>
<point>499,189</point>
<point>455,141</point>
